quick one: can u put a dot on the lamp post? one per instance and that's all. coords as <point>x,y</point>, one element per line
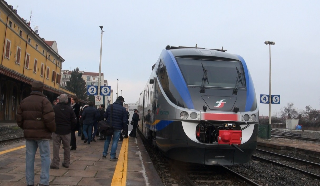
<point>121,92</point>
<point>269,43</point>
<point>117,89</point>
<point>100,62</point>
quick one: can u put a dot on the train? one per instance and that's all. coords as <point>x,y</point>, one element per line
<point>199,106</point>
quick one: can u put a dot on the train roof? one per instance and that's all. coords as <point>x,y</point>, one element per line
<point>197,51</point>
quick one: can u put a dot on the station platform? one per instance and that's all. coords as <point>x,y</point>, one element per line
<point>87,167</point>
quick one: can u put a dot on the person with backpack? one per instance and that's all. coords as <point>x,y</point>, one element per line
<point>116,115</point>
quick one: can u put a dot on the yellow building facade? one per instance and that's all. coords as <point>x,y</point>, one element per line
<point>24,57</point>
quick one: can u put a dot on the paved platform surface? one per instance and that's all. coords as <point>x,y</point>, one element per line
<point>87,167</point>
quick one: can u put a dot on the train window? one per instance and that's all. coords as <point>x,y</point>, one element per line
<point>219,73</point>
<point>168,87</point>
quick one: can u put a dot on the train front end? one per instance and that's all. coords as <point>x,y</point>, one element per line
<point>205,107</point>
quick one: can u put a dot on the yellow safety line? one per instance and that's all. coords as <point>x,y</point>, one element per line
<point>10,150</point>
<point>120,173</point>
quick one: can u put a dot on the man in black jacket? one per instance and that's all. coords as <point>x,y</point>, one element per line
<point>89,116</point>
<point>76,108</point>
<point>135,119</point>
<point>65,123</point>
<point>119,119</point>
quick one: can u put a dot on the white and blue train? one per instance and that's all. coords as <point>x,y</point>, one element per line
<point>203,106</point>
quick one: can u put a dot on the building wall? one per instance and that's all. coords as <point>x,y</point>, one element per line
<point>23,55</point>
<point>35,55</point>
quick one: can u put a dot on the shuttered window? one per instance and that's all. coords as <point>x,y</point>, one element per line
<point>27,61</point>
<point>53,76</point>
<point>42,69</point>
<point>48,72</point>
<point>18,55</point>
<point>58,78</point>
<point>8,45</point>
<point>35,66</point>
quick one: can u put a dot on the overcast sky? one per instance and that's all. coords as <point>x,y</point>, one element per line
<point>137,31</point>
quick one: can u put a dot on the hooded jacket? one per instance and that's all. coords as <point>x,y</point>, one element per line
<point>36,117</point>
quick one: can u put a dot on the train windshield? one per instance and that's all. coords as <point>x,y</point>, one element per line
<point>218,73</point>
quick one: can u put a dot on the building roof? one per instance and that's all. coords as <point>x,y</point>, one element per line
<point>50,43</point>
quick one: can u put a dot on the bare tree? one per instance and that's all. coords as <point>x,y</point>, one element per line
<point>311,113</point>
<point>289,111</point>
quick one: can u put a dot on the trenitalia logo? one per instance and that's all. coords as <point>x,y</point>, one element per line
<point>220,104</point>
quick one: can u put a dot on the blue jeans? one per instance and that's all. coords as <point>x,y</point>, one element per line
<point>95,129</point>
<point>87,132</point>
<point>115,139</point>
<point>31,149</point>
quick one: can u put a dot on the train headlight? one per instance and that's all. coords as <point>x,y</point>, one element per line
<point>253,117</point>
<point>246,117</point>
<point>193,115</point>
<point>184,115</point>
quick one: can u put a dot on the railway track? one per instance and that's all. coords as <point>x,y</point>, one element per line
<point>306,167</point>
<point>290,135</point>
<point>178,173</point>
<point>193,174</point>
<point>3,141</point>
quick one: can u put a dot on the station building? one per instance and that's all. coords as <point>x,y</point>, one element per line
<point>25,57</point>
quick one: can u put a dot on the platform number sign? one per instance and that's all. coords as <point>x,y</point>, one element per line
<point>275,99</point>
<point>92,90</point>
<point>264,98</point>
<point>106,90</point>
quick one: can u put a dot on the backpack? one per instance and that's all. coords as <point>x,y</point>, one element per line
<point>106,128</point>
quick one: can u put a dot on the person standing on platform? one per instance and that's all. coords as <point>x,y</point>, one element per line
<point>76,109</point>
<point>102,112</point>
<point>95,125</point>
<point>88,117</point>
<point>81,121</point>
<point>125,129</point>
<point>135,119</point>
<point>118,113</point>
<point>65,122</point>
<point>36,117</point>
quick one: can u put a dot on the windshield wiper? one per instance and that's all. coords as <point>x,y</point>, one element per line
<point>204,79</point>
<point>238,79</point>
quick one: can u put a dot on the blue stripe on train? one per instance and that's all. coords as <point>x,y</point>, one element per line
<point>176,77</point>
<point>159,126</point>
<point>250,88</point>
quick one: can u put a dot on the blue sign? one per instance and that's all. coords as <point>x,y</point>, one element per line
<point>264,98</point>
<point>275,99</point>
<point>105,90</point>
<point>92,90</point>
